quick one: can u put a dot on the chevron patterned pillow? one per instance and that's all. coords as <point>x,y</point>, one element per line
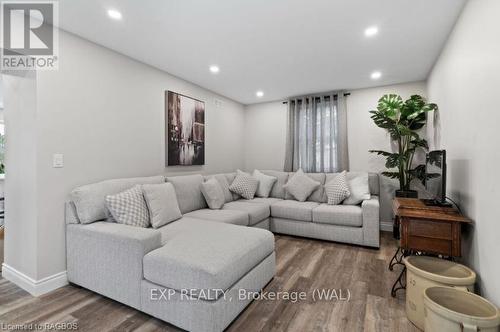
<point>244,184</point>
<point>129,207</point>
<point>337,189</point>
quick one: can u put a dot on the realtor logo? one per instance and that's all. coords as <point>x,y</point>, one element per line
<point>29,38</point>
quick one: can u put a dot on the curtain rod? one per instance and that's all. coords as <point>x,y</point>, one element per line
<point>345,95</point>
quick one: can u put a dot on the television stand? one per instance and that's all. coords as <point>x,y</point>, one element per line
<point>435,202</point>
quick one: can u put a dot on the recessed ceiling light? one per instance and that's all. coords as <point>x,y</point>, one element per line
<point>114,14</point>
<point>259,94</point>
<point>376,75</point>
<point>214,69</point>
<point>371,31</point>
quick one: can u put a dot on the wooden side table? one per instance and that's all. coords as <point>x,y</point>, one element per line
<point>426,229</point>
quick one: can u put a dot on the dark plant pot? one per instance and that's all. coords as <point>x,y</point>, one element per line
<point>407,193</point>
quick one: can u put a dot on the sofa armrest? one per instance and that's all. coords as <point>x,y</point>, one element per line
<point>107,258</point>
<point>371,221</point>
<point>70,215</point>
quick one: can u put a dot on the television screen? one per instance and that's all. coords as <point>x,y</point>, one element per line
<point>435,170</point>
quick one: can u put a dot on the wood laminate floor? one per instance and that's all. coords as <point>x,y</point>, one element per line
<point>303,265</point>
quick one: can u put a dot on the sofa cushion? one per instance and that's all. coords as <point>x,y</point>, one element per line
<point>358,187</point>
<point>225,216</point>
<point>266,183</point>
<point>213,193</point>
<point>224,183</point>
<point>188,192</point>
<point>256,211</point>
<point>129,207</point>
<point>301,186</point>
<point>162,203</point>
<point>244,184</point>
<point>317,194</point>
<point>208,256</point>
<point>337,189</point>
<point>89,199</point>
<point>230,178</point>
<point>341,215</point>
<point>293,210</point>
<point>278,191</point>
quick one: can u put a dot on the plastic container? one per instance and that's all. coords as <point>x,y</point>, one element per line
<point>424,272</point>
<point>451,310</point>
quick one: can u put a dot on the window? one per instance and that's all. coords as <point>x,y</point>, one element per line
<point>317,134</point>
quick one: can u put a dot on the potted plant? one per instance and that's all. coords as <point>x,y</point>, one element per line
<point>402,119</point>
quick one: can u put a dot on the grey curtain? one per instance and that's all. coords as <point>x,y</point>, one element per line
<point>317,134</point>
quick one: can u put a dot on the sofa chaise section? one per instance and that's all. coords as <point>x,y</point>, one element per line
<point>203,271</point>
<point>213,258</point>
<point>193,314</point>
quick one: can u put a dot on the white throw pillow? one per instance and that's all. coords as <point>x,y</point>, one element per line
<point>337,189</point>
<point>266,183</point>
<point>129,207</point>
<point>162,204</point>
<point>301,186</point>
<point>244,184</point>
<point>359,188</point>
<point>213,193</point>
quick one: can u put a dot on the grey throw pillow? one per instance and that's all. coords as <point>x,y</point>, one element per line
<point>300,186</point>
<point>244,184</point>
<point>213,193</point>
<point>129,207</point>
<point>266,183</point>
<point>359,188</point>
<point>337,189</point>
<point>162,204</point>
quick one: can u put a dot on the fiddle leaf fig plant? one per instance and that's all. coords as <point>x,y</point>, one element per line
<point>403,119</point>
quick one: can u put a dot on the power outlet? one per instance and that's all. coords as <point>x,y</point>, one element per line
<point>58,160</point>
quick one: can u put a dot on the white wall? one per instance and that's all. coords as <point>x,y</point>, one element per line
<point>265,135</point>
<point>465,83</point>
<point>105,113</point>
<point>21,222</point>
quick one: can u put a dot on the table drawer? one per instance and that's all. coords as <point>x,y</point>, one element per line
<point>428,245</point>
<point>431,229</point>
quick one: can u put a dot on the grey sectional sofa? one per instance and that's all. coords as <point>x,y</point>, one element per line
<point>190,272</point>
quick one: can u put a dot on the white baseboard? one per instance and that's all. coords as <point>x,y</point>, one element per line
<point>386,226</point>
<point>32,286</point>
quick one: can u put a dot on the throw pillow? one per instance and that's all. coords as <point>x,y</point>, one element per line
<point>337,189</point>
<point>162,204</point>
<point>213,193</point>
<point>301,186</point>
<point>266,183</point>
<point>129,207</point>
<point>358,187</point>
<point>244,184</point>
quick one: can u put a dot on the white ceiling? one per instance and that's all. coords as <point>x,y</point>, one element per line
<point>282,47</point>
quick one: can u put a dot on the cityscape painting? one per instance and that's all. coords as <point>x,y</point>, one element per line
<point>185,130</point>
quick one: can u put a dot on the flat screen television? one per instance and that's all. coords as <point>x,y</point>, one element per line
<point>435,178</point>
